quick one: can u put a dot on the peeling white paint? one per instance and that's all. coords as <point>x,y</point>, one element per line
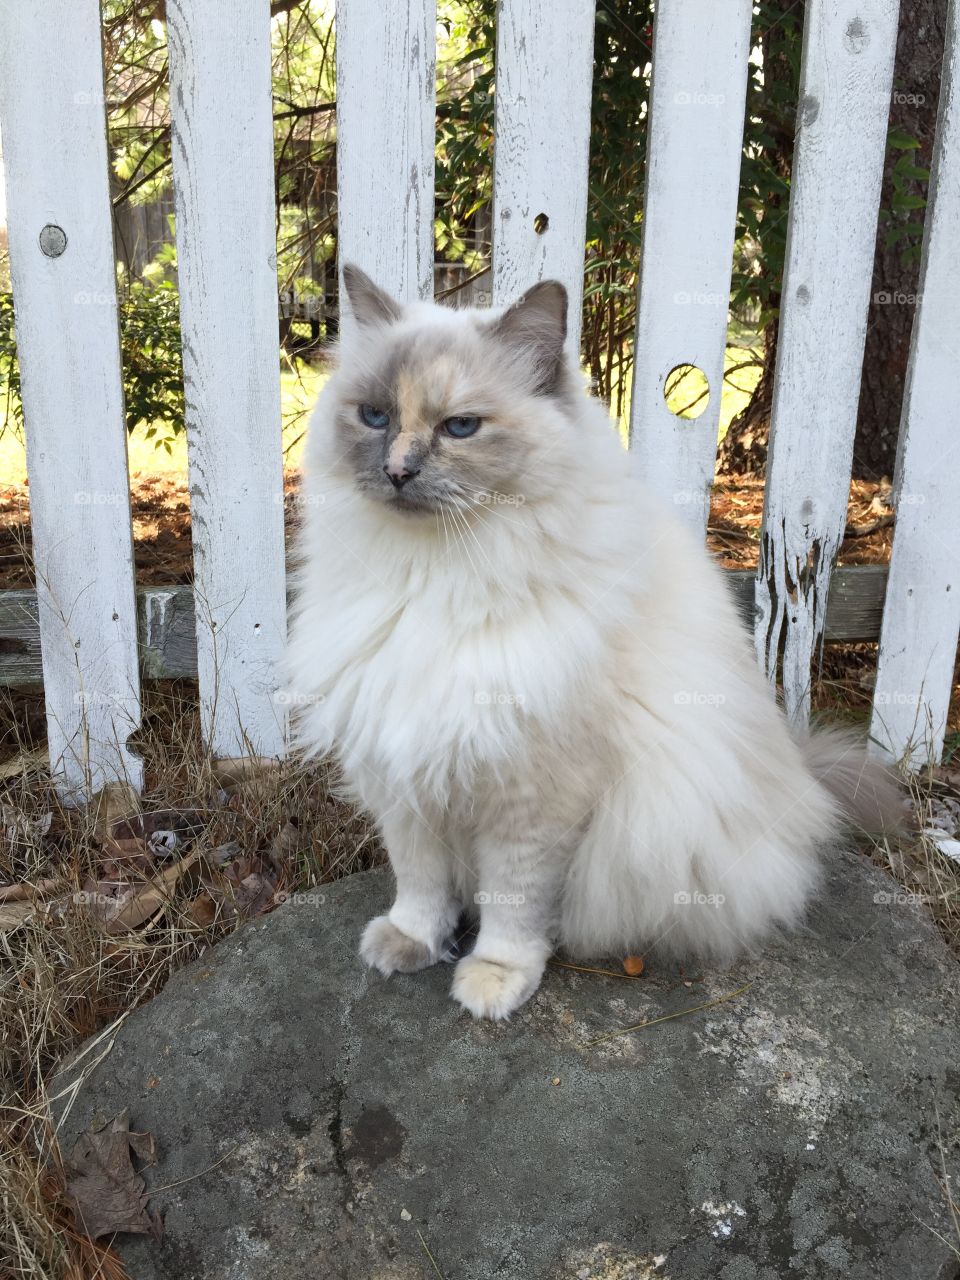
<point>157,607</point>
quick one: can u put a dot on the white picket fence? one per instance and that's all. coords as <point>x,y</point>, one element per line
<point>52,120</point>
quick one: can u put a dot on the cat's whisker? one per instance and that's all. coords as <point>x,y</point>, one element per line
<point>464,529</point>
<point>468,529</point>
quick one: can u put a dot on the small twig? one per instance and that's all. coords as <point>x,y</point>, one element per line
<point>20,892</point>
<point>863,530</point>
<point>682,1013</point>
<point>433,1262</point>
<point>194,1176</point>
<point>732,533</point>
<point>606,973</point>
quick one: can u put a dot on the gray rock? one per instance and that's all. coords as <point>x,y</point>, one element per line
<point>317,1121</point>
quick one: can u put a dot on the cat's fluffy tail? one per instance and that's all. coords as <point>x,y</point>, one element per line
<point>867,790</point>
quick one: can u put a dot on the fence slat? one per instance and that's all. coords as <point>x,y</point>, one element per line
<point>386,137</point>
<point>700,60</point>
<point>918,644</point>
<point>544,76</point>
<point>220,79</point>
<point>846,80</point>
<point>61,253</point>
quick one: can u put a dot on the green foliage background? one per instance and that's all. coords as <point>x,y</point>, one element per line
<point>305,148</point>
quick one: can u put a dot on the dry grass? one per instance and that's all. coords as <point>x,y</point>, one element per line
<point>918,863</point>
<point>67,970</point>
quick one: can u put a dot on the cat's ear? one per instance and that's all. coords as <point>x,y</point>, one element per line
<point>536,327</point>
<point>369,303</point>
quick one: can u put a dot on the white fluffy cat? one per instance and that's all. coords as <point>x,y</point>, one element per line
<point>531,674</point>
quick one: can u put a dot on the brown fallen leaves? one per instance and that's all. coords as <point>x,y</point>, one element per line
<point>154,864</point>
<point>107,1192</point>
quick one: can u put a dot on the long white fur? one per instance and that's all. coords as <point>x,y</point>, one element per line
<point>549,705</point>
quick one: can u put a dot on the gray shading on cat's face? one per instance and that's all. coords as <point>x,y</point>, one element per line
<point>439,410</point>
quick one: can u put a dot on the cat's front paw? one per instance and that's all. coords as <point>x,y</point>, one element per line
<point>491,989</point>
<point>387,948</point>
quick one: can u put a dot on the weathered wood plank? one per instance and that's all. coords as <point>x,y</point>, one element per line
<point>386,137</point>
<point>846,79</point>
<point>700,59</point>
<point>544,76</point>
<point>168,641</point>
<point>221,107</point>
<point>62,264</point>
<point>918,645</point>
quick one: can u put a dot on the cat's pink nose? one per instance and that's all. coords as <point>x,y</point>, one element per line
<point>398,474</point>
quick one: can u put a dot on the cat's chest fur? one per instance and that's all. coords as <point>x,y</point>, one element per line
<point>436,679</point>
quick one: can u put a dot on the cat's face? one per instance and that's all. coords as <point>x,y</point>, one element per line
<point>450,409</point>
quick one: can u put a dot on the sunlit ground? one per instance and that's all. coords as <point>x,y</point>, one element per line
<point>298,391</point>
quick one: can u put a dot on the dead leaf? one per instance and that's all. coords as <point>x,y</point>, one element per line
<point>23,890</point>
<point>246,777</point>
<point>19,829</point>
<point>230,772</point>
<point>224,853</point>
<point>140,839</point>
<point>107,1191</point>
<point>202,910</point>
<point>152,898</point>
<point>25,762</point>
<point>285,844</point>
<point>247,886</point>
<point>14,913</point>
<point>122,905</point>
<point>115,803</point>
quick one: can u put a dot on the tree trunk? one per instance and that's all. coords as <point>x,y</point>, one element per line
<point>913,115</point>
<point>743,450</point>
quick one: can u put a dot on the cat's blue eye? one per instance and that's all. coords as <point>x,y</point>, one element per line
<point>460,428</point>
<point>372,417</point>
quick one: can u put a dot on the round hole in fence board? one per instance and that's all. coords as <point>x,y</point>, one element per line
<point>686,391</point>
<point>540,223</point>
